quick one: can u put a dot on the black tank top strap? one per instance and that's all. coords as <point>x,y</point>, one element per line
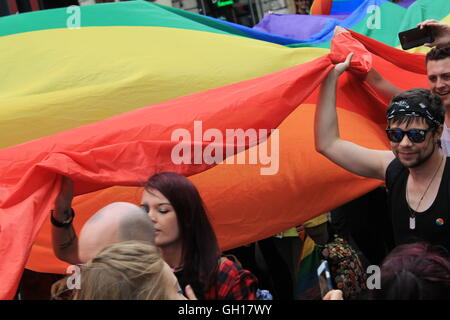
<point>393,172</point>
<point>446,175</point>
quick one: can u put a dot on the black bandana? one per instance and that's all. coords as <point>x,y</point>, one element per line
<point>403,108</point>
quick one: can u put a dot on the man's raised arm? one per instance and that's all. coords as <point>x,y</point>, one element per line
<point>382,86</point>
<point>359,160</point>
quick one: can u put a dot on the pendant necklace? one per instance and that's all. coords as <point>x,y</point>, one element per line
<point>412,217</point>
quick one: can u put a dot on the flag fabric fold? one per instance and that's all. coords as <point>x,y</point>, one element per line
<point>127,149</point>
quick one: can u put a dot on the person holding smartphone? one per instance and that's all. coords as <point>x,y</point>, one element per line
<point>440,30</point>
<point>438,72</point>
<point>324,275</point>
<point>415,271</point>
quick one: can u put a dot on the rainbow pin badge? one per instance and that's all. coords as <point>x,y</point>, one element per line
<point>439,222</point>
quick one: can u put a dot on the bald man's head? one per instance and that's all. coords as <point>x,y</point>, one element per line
<point>116,222</point>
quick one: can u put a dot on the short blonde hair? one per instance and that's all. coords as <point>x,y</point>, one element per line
<point>129,270</point>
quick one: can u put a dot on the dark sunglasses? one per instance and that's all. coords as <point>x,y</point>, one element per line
<point>414,135</point>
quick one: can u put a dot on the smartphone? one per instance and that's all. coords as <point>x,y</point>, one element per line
<point>415,37</point>
<point>323,272</point>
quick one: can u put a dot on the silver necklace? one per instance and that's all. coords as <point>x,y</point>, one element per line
<point>412,217</point>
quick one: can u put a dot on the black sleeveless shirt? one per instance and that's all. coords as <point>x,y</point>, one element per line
<point>432,225</point>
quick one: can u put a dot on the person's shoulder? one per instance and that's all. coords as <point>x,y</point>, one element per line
<point>227,265</point>
<point>447,163</point>
<point>235,282</point>
<point>233,269</point>
<point>445,133</point>
<point>393,172</point>
<point>445,141</point>
<point>394,166</point>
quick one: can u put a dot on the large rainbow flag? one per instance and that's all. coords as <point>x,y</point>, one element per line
<point>100,104</point>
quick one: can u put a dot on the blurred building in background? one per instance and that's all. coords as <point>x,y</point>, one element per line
<point>244,12</point>
<point>8,7</point>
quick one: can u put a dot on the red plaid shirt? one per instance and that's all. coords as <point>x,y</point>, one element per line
<point>233,283</point>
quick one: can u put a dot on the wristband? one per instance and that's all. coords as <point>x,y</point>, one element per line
<point>64,224</point>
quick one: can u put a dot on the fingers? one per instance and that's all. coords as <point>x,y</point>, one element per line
<point>429,22</point>
<point>349,57</point>
<point>343,66</point>
<point>190,293</point>
<point>338,30</point>
<point>440,30</point>
<point>333,295</point>
<point>327,296</point>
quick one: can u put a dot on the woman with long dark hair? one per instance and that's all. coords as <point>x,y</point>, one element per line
<point>188,243</point>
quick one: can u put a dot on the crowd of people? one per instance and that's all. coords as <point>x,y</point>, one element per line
<point>166,248</point>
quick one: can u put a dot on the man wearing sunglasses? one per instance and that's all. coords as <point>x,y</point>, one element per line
<point>417,175</point>
<point>438,73</point>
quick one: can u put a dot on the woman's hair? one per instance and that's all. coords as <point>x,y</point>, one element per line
<point>130,270</point>
<point>200,253</point>
<point>414,271</point>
